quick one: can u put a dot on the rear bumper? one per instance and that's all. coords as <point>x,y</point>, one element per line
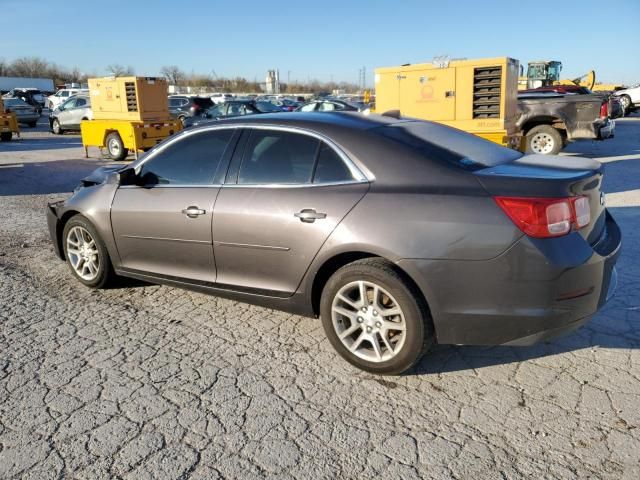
<point>534,291</point>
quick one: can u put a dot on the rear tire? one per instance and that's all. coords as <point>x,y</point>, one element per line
<point>392,332</point>
<point>6,136</point>
<point>544,140</point>
<point>86,254</point>
<point>115,147</point>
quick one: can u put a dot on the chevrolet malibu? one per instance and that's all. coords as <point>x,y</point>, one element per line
<point>398,234</point>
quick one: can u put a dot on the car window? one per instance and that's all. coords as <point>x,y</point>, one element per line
<point>64,94</point>
<point>81,102</point>
<point>327,106</point>
<point>235,109</point>
<point>192,160</point>
<point>309,107</point>
<point>330,168</point>
<point>174,102</point>
<point>217,111</point>
<point>278,157</point>
<point>71,103</point>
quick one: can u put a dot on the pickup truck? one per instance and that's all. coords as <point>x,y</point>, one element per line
<point>549,121</point>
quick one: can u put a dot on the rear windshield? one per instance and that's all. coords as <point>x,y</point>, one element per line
<point>448,144</point>
<point>203,102</point>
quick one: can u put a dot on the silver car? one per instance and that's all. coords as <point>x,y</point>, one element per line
<point>25,113</point>
<point>69,115</point>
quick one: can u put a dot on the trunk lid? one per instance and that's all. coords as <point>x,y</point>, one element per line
<point>548,176</point>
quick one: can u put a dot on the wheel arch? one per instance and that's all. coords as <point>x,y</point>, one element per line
<point>66,216</point>
<point>555,122</point>
<point>334,263</point>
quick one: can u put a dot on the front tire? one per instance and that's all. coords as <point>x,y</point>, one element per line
<point>374,318</point>
<point>544,140</point>
<point>6,136</point>
<point>55,126</point>
<point>86,254</point>
<point>115,147</point>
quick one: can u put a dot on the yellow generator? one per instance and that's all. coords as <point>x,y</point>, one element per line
<point>8,124</point>
<point>129,113</point>
<point>478,96</point>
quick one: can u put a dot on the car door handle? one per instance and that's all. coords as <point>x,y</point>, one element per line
<point>193,212</point>
<point>309,215</point>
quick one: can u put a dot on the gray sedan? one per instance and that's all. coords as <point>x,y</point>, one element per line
<point>398,234</point>
<point>25,113</point>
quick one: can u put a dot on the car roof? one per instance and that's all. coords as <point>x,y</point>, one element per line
<point>315,120</point>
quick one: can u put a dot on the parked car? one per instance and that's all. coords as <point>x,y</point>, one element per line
<point>629,97</point>
<point>69,115</point>
<point>235,108</point>
<point>25,113</point>
<point>457,240</point>
<point>221,97</point>
<point>327,105</point>
<point>63,95</point>
<point>285,104</point>
<point>32,96</point>
<point>183,107</point>
<point>550,120</point>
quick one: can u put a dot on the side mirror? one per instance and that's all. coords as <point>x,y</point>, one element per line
<point>127,176</point>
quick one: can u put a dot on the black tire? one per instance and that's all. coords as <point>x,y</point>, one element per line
<point>6,136</point>
<point>115,147</point>
<point>182,119</point>
<point>544,139</point>
<point>55,126</point>
<point>419,331</point>
<point>105,274</point>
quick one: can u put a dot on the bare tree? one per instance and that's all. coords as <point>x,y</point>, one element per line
<point>30,67</point>
<point>173,74</point>
<point>118,70</point>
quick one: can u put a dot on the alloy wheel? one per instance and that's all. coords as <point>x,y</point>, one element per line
<point>368,321</point>
<point>83,254</point>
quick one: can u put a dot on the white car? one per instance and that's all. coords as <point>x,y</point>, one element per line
<point>221,97</point>
<point>63,95</point>
<point>629,98</point>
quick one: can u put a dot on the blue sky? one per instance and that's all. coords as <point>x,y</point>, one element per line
<point>324,39</point>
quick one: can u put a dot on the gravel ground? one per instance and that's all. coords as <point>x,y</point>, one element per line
<point>153,382</point>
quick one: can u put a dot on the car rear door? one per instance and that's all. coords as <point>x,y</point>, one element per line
<point>286,191</point>
<point>162,225</point>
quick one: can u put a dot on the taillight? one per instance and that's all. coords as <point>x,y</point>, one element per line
<point>195,107</point>
<point>547,217</point>
<point>604,109</point>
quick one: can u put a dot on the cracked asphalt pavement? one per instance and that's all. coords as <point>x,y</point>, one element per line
<point>145,381</point>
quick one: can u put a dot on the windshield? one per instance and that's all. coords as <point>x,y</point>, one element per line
<point>438,141</point>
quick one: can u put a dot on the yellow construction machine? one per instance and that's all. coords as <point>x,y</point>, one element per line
<point>478,96</point>
<point>545,73</point>
<point>129,114</point>
<point>8,124</point>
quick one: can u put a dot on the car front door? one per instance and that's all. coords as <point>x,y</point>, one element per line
<point>162,224</point>
<point>75,114</point>
<point>282,199</point>
<point>65,114</point>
